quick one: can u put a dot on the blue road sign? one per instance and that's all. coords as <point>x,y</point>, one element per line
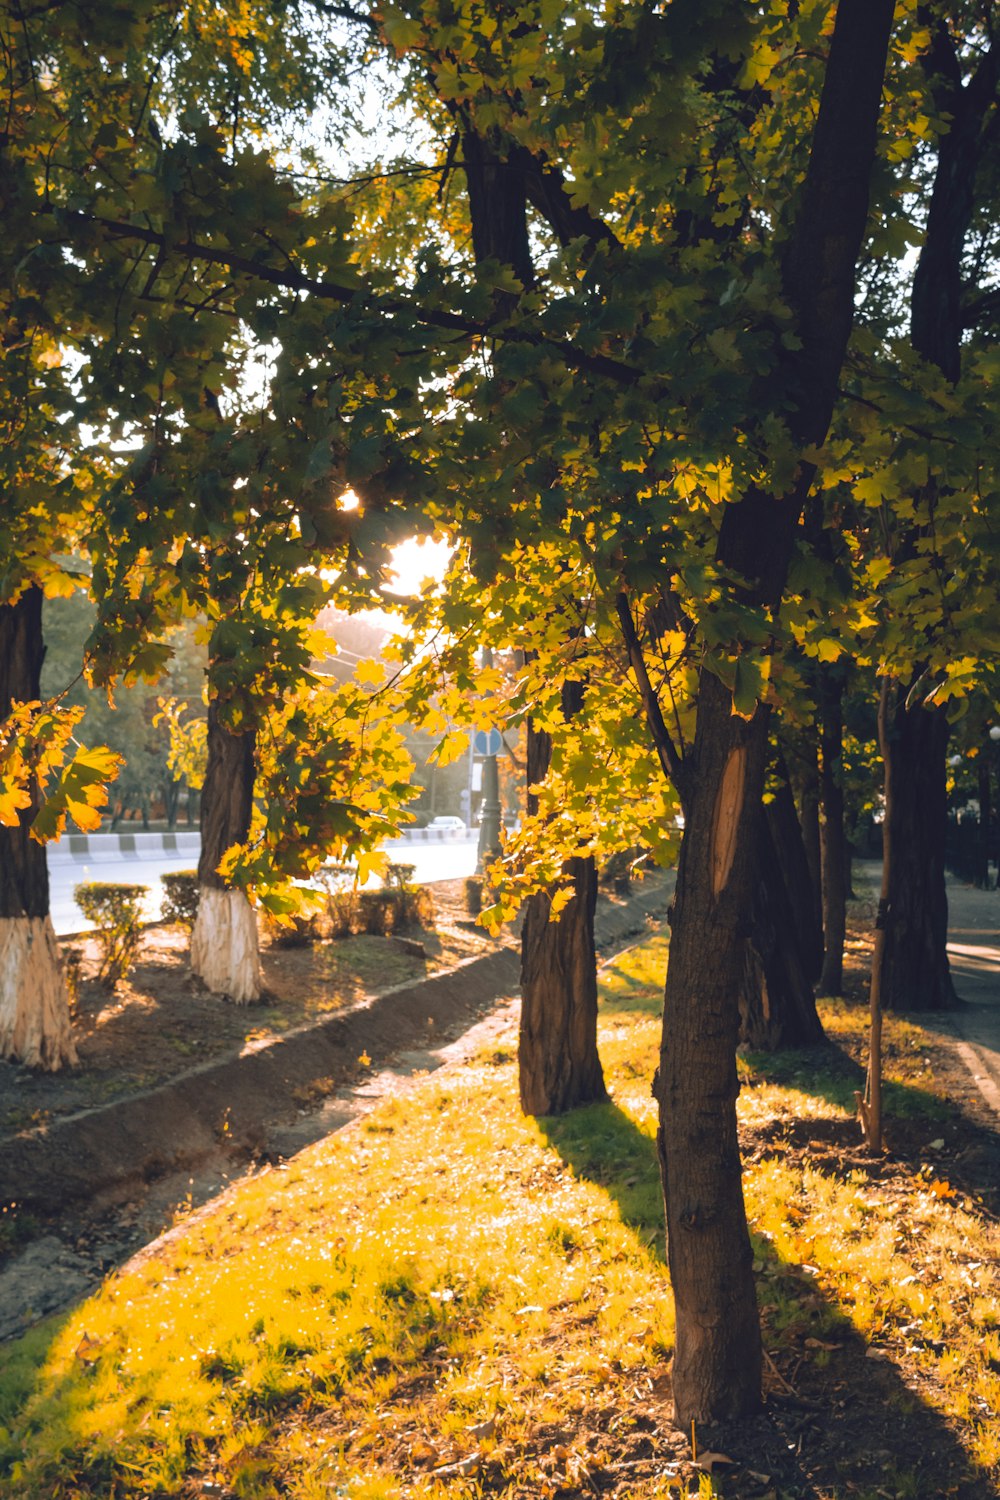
<point>487,742</point>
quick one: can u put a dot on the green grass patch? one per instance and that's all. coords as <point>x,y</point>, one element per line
<point>451,1299</point>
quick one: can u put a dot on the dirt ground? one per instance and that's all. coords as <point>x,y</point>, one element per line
<point>159,1021</point>
<point>159,1024</point>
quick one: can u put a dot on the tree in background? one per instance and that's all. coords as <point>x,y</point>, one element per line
<point>127,721</point>
<point>962,82</point>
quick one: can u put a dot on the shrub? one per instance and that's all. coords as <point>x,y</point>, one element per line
<point>617,870</point>
<point>180,901</point>
<point>342,909</point>
<point>397,904</point>
<point>116,912</point>
<point>411,903</point>
<point>304,929</point>
<point>378,910</point>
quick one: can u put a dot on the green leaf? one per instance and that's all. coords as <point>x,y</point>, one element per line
<point>748,686</point>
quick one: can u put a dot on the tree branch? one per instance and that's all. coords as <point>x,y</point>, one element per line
<point>982,311</point>
<point>545,187</point>
<point>347,13</point>
<point>289,278</point>
<point>674,767</point>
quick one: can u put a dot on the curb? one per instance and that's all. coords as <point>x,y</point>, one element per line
<point>181,1123</point>
<point>95,848</point>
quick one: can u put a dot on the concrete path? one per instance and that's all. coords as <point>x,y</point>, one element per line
<point>974,952</point>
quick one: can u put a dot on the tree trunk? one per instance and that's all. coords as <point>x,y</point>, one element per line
<point>870,1102</point>
<point>777,1008</point>
<point>558,1064</point>
<point>717,1358</point>
<point>717,1361</point>
<point>833,840</point>
<point>224,952</point>
<point>792,863</point>
<point>809,821</point>
<point>171,794</point>
<point>916,974</point>
<point>34,1002</point>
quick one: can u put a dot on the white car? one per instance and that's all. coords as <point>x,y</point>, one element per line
<point>447,822</point>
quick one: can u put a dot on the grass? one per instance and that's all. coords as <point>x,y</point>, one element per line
<point>450,1299</point>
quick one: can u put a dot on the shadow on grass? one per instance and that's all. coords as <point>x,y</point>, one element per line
<point>639,994</point>
<point>829,1072</point>
<point>913,1118</point>
<point>837,1423</point>
<point>603,1145</point>
<point>625,994</point>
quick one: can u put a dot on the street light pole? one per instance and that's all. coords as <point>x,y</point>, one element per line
<point>489,828</point>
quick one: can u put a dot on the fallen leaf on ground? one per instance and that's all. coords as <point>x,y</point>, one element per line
<point>464,1466</point>
<point>711,1461</point>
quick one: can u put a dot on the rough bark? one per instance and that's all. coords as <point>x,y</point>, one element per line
<point>24,876</point>
<point>833,842</point>
<point>558,1063</point>
<point>916,973</point>
<point>717,1358</point>
<point>498,206</point>
<point>809,820</point>
<point>777,1008</point>
<point>34,1001</point>
<point>224,941</point>
<point>792,862</point>
<point>35,1026</point>
<point>716,1370</point>
<point>224,952</point>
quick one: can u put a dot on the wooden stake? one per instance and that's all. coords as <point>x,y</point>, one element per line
<point>870,1106</point>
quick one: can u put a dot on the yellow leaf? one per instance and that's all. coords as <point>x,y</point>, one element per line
<point>372,862</point>
<point>60,585</point>
<point>12,799</point>
<point>561,900</point>
<point>370,673</point>
<point>86,818</point>
<point>454,745</point>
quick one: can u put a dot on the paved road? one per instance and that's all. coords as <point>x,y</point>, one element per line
<point>974,954</point>
<point>434,861</point>
<point>974,951</point>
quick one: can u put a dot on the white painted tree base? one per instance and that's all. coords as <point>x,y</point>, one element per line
<point>34,1001</point>
<point>224,952</point>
